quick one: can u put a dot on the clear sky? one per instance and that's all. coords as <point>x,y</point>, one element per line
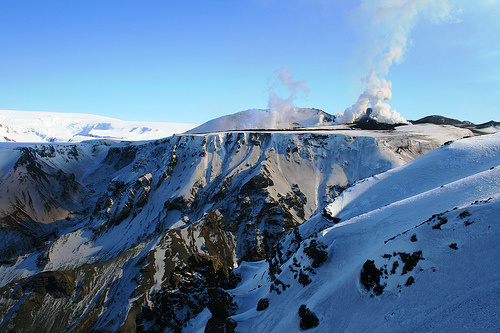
<point>191,61</point>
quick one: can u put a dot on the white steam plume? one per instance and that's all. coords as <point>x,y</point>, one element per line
<point>279,108</point>
<point>390,21</point>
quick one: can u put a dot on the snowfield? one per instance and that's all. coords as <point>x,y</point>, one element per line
<point>32,126</point>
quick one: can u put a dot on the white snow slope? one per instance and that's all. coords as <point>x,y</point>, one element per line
<point>454,285</point>
<point>32,126</point>
<point>265,119</point>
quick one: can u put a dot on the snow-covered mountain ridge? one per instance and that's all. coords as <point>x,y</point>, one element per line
<point>144,236</point>
<point>259,119</point>
<point>308,119</point>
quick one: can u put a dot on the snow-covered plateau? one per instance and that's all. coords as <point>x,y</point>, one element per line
<point>33,126</point>
<point>302,226</point>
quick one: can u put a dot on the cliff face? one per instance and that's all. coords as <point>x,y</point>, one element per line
<point>103,235</point>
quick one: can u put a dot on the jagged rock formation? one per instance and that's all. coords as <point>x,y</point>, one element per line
<point>105,235</point>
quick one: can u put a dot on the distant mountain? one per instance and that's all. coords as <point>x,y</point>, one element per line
<point>30,126</point>
<point>440,120</point>
<point>259,119</point>
<point>489,124</point>
<point>485,128</point>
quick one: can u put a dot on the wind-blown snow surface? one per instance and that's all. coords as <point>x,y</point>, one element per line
<point>32,126</point>
<point>441,210</point>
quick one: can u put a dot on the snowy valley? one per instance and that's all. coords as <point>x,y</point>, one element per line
<point>304,225</point>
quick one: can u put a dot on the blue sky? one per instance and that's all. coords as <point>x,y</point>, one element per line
<point>191,61</point>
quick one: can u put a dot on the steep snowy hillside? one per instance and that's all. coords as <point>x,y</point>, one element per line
<point>143,236</point>
<point>416,249</point>
<point>29,126</point>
